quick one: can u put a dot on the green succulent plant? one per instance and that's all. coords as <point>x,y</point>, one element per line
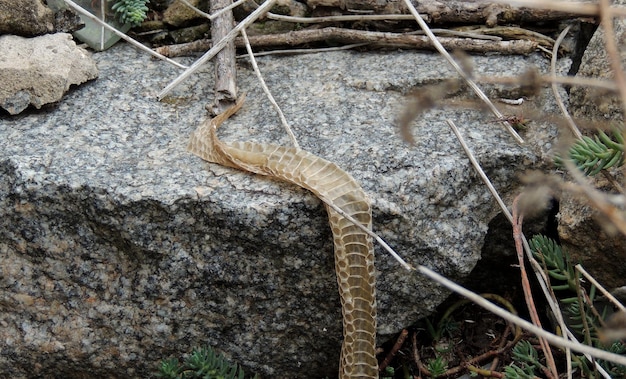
<point>131,11</point>
<point>202,363</point>
<point>592,155</point>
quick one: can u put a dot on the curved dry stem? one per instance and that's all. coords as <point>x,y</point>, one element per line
<point>555,89</point>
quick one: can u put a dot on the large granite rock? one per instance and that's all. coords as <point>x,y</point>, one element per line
<point>119,248</point>
<point>38,71</point>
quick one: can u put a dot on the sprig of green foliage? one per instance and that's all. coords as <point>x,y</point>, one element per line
<point>592,155</point>
<point>527,360</point>
<point>131,11</point>
<point>202,363</point>
<point>583,318</point>
<point>437,366</point>
<point>557,262</point>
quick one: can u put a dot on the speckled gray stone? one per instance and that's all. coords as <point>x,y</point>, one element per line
<point>39,70</point>
<point>119,248</point>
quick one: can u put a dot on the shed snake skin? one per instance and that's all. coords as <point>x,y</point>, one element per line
<point>354,251</point>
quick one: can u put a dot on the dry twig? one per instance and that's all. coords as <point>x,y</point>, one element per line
<point>394,350</point>
<point>225,64</point>
<point>217,47</point>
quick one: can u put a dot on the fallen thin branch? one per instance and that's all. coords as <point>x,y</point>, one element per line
<point>343,18</point>
<point>454,11</point>
<point>570,7</point>
<point>377,39</point>
<point>416,356</point>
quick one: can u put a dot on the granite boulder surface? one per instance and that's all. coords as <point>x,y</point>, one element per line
<point>120,248</point>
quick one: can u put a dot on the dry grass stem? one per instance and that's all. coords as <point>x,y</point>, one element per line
<point>216,14</point>
<point>375,236</point>
<point>606,293</point>
<point>306,51</point>
<point>126,38</point>
<point>480,171</point>
<point>553,339</point>
<point>530,303</point>
<point>555,89</point>
<point>461,72</point>
<point>267,91</point>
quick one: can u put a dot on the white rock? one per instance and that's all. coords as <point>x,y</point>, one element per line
<point>38,71</point>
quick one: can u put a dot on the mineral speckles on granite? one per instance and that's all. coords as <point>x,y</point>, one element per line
<point>119,248</point>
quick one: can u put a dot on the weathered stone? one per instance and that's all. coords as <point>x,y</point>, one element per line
<point>594,103</point>
<point>27,18</point>
<point>179,14</point>
<point>38,71</point>
<point>589,238</point>
<point>119,248</point>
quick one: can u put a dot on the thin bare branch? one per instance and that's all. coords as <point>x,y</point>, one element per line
<point>466,43</point>
<point>353,18</point>
<point>224,63</point>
